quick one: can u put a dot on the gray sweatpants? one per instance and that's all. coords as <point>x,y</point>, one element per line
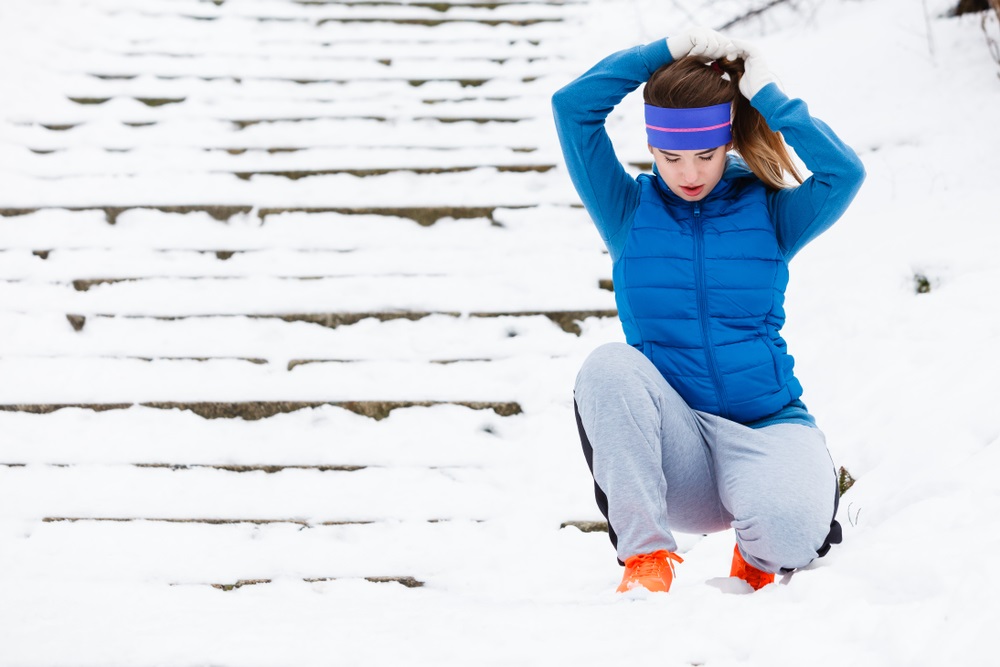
<point>661,466</point>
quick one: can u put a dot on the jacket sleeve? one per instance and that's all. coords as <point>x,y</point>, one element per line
<point>802,213</point>
<point>608,192</point>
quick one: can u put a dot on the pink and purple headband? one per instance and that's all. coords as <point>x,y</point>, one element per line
<point>689,129</point>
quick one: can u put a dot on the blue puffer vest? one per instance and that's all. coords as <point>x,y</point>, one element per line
<point>700,291</point>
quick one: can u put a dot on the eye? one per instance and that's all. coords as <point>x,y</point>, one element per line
<point>706,158</point>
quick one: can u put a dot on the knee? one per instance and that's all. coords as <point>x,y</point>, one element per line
<point>785,539</point>
<point>607,367</point>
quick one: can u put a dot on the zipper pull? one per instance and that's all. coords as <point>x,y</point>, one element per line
<point>697,209</point>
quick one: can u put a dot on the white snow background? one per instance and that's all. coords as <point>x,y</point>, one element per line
<point>904,384</point>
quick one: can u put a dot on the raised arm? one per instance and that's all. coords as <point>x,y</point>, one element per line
<point>801,214</point>
<point>608,192</point>
<point>580,108</point>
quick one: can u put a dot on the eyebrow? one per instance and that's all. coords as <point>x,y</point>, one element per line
<point>669,154</point>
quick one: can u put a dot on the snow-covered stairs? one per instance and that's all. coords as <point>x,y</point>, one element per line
<point>277,266</point>
<point>321,337</point>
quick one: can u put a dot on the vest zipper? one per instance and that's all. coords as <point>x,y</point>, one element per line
<point>699,268</point>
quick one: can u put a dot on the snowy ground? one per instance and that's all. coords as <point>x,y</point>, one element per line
<point>265,161</point>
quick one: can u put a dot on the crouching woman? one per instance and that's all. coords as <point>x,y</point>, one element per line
<point>696,424</point>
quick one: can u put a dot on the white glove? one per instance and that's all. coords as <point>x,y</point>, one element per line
<point>757,74</point>
<point>702,43</point>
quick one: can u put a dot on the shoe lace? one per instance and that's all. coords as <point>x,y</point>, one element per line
<point>648,565</point>
<point>756,577</point>
<point>750,574</point>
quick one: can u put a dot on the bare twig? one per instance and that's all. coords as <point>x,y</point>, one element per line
<point>930,35</point>
<point>853,520</point>
<point>991,42</point>
<point>750,14</point>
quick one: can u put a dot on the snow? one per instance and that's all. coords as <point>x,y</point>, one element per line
<point>470,503</point>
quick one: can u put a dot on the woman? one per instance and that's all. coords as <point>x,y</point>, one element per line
<point>696,424</point>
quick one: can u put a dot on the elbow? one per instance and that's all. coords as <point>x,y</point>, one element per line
<point>561,102</point>
<point>849,176</point>
<point>569,104</point>
<point>856,172</point>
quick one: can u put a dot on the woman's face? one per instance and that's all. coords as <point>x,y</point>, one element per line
<point>690,174</point>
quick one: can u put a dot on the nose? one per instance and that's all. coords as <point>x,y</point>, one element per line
<point>689,173</point>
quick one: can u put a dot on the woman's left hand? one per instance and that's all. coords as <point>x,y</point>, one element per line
<point>700,43</point>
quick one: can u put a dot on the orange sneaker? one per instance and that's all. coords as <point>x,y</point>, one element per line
<point>654,572</point>
<point>748,573</point>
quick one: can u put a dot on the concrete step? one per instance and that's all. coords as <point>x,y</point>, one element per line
<point>230,552</point>
<point>242,468</point>
<point>408,582</point>
<point>423,215</point>
<point>439,436</point>
<point>314,67</point>
<point>26,268</point>
<point>122,382</point>
<point>331,133</point>
<point>499,91</point>
<point>430,197</point>
<point>314,49</point>
<point>219,522</point>
<point>568,321</point>
<point>446,250</point>
<point>266,234</point>
<point>159,90</point>
<point>419,90</point>
<point>436,339</point>
<point>219,497</point>
<point>330,301</point>
<point>587,526</point>
<point>114,163</point>
<point>395,23</point>
<point>254,410</point>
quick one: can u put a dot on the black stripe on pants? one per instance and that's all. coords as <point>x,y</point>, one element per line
<point>602,498</point>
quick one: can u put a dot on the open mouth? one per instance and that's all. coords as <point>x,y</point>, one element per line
<point>692,192</point>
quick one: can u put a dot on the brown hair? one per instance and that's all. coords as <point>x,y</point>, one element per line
<point>690,83</point>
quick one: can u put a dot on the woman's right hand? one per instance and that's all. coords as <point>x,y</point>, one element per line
<point>757,72</point>
<point>701,43</point>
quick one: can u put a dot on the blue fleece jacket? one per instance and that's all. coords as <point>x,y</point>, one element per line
<point>793,216</point>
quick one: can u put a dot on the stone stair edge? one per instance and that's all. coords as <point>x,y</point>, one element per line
<point>255,410</point>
